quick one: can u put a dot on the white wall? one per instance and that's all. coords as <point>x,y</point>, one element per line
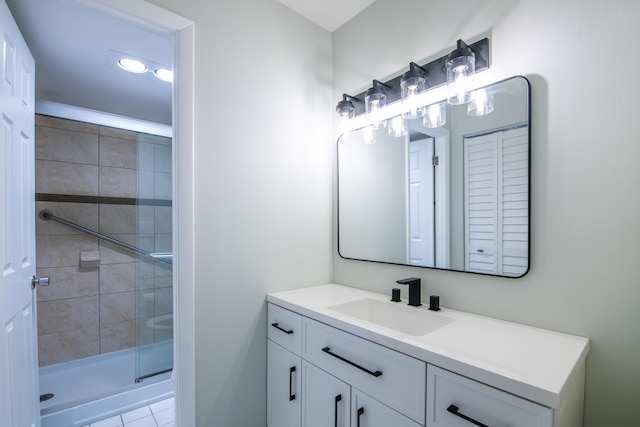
<point>262,187</point>
<point>585,262</point>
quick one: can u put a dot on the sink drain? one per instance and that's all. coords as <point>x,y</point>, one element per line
<point>45,397</point>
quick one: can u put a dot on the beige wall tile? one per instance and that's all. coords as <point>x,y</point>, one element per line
<point>62,250</point>
<point>66,146</point>
<point>66,178</point>
<point>117,307</point>
<point>118,182</point>
<point>163,219</point>
<point>117,219</point>
<point>163,140</point>
<point>68,282</point>
<point>112,254</point>
<point>117,336</point>
<point>117,278</point>
<point>146,303</point>
<point>118,133</point>
<point>67,314</point>
<point>146,155</point>
<point>145,275</point>
<point>164,282</point>
<point>163,270</point>
<point>162,186</point>
<point>73,125</point>
<point>162,158</point>
<point>84,214</point>
<point>119,153</point>
<point>69,345</point>
<point>163,242</point>
<point>146,184</point>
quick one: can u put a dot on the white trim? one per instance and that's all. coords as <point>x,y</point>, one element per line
<point>155,18</point>
<point>443,202</point>
<point>49,108</point>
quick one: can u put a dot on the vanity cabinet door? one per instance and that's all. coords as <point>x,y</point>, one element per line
<point>368,412</point>
<point>456,401</point>
<point>326,401</point>
<point>284,378</point>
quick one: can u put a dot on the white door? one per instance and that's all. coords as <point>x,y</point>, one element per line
<point>421,203</point>
<point>496,202</point>
<point>19,403</point>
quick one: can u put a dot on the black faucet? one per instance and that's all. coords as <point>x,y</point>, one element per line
<point>414,290</point>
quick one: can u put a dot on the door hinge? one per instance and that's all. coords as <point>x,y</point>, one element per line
<point>434,160</point>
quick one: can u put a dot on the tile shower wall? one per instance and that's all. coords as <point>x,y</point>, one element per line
<point>90,311</point>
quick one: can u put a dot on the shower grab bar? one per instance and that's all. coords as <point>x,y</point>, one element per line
<point>161,255</point>
<point>158,256</point>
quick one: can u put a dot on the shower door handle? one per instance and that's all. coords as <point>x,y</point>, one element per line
<point>42,281</point>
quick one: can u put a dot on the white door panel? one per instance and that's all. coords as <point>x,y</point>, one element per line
<point>19,392</point>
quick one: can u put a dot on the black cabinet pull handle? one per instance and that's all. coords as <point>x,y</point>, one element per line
<point>335,410</point>
<point>275,325</point>
<point>454,410</point>
<point>360,412</point>
<point>375,374</point>
<point>291,395</point>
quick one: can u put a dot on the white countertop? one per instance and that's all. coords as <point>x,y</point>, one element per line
<point>530,362</point>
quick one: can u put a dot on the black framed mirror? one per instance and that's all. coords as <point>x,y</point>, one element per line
<point>453,192</point>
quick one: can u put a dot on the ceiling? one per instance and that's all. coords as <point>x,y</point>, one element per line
<point>76,48</point>
<point>329,14</point>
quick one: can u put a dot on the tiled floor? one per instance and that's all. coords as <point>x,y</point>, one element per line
<point>159,414</point>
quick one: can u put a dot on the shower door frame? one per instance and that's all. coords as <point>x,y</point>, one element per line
<point>142,12</point>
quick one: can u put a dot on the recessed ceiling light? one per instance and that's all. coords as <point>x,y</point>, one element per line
<point>132,65</point>
<point>164,74</point>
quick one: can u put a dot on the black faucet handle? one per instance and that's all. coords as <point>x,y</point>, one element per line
<point>409,281</point>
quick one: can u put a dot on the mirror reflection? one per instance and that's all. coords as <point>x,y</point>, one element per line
<point>448,190</point>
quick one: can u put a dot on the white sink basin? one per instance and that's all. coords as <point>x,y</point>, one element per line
<point>399,316</point>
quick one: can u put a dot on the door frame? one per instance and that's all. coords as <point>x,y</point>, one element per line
<point>142,13</point>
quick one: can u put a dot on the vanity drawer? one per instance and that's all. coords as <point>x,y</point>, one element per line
<point>395,379</point>
<point>285,328</point>
<point>486,405</point>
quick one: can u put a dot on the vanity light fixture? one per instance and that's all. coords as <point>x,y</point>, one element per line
<point>461,69</point>
<point>397,127</point>
<point>345,108</point>
<point>462,64</point>
<point>375,100</point>
<point>481,103</point>
<point>412,83</point>
<point>435,116</point>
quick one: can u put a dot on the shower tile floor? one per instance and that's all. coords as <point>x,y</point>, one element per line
<point>159,414</point>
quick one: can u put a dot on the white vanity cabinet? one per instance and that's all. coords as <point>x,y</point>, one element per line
<point>362,369</point>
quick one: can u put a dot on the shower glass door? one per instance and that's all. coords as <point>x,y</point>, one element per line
<point>154,329</point>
